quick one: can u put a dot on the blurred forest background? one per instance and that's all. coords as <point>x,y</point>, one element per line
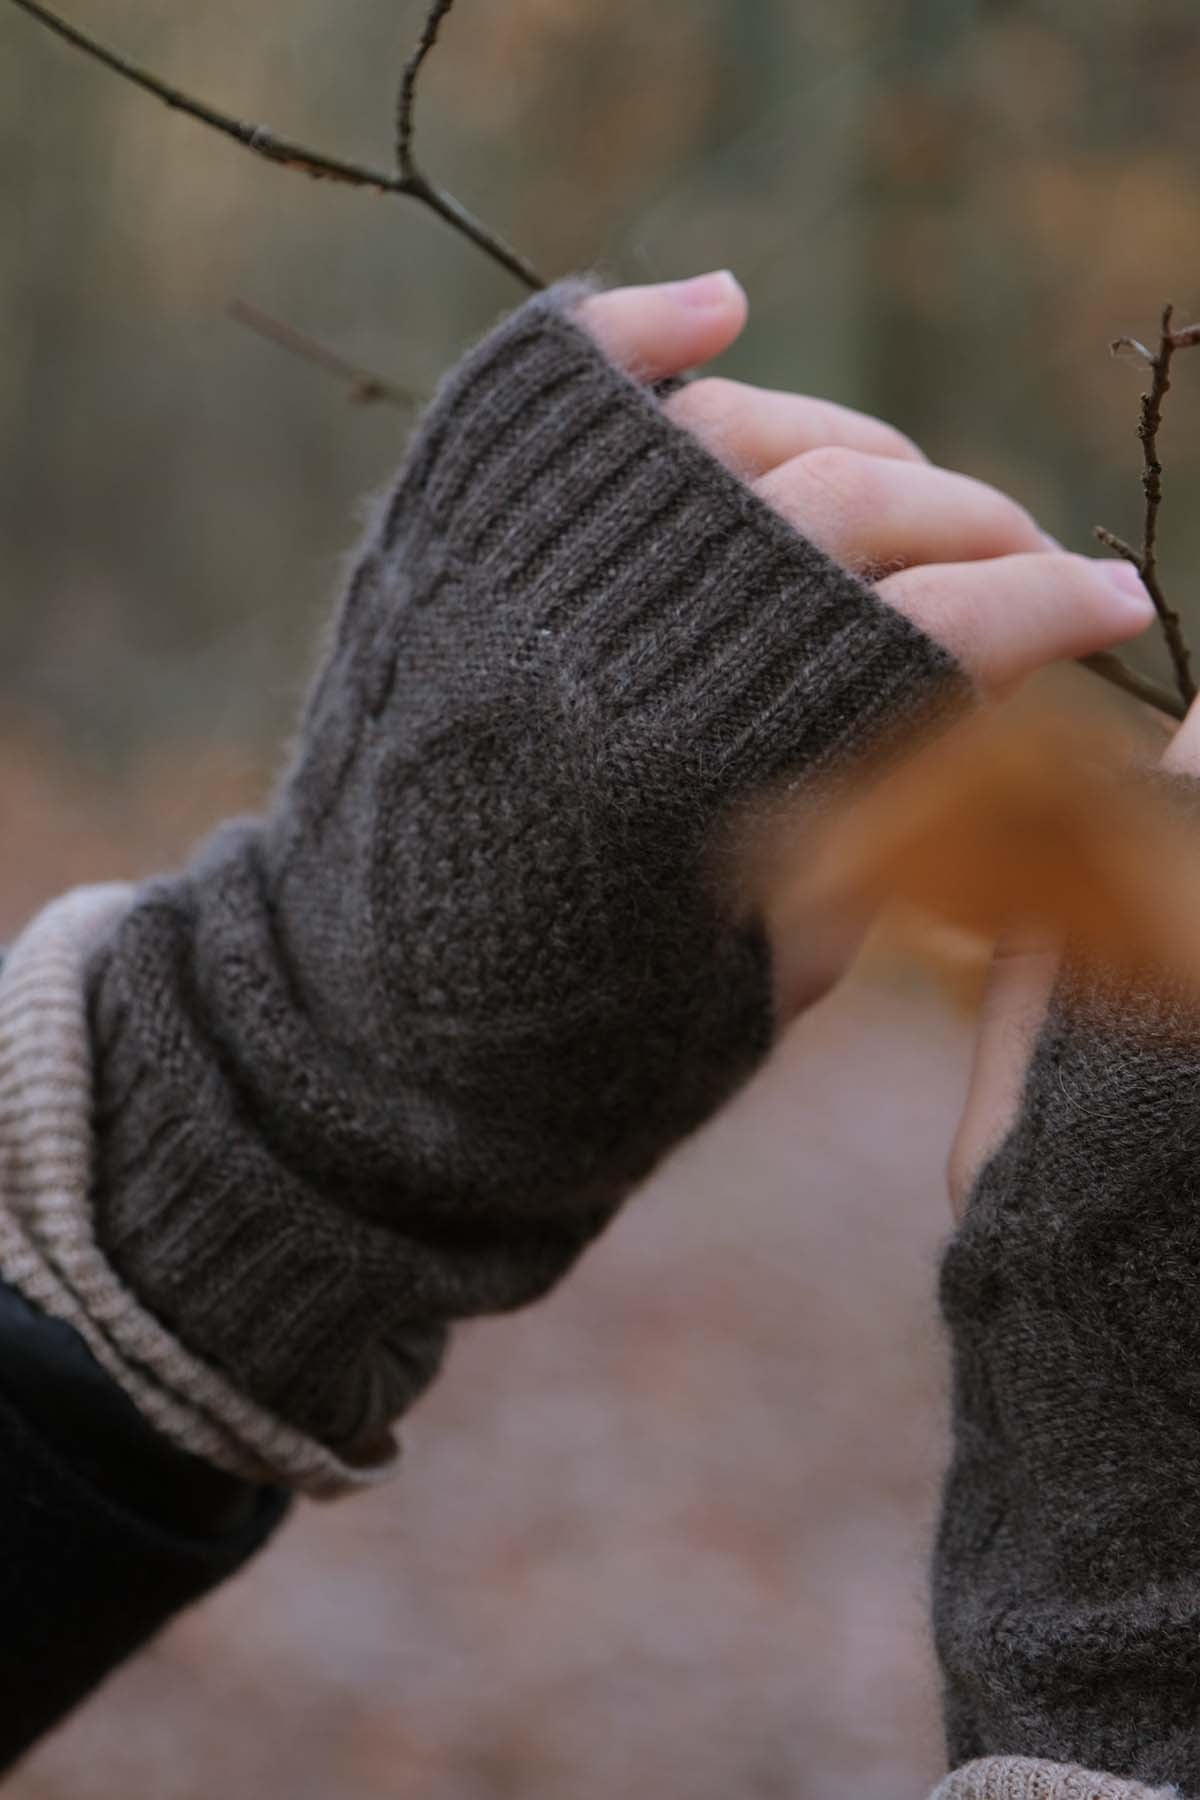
<point>667,1534</point>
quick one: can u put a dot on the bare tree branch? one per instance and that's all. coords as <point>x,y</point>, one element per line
<point>261,141</point>
<point>415,182</point>
<point>409,181</point>
<point>1113,670</point>
<point>364,387</point>
<point>1145,560</point>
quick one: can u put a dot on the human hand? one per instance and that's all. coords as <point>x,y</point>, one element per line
<point>961,560</point>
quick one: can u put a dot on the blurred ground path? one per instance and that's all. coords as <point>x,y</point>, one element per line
<point>663,1536</point>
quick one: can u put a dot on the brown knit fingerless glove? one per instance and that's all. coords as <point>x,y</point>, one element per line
<point>1067,1575</point>
<point>393,1054</point>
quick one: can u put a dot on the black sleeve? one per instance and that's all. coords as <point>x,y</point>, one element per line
<point>107,1529</point>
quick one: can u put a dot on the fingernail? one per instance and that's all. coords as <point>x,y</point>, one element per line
<point>705,292</point>
<point>1128,583</point>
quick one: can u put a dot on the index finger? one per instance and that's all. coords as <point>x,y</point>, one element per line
<point>1018,992</point>
<point>659,331</point>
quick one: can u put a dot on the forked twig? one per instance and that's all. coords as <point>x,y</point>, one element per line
<point>407,181</point>
<point>1145,560</point>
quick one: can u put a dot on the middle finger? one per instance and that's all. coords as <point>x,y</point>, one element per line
<point>874,513</point>
<point>752,430</point>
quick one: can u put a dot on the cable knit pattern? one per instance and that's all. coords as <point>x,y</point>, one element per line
<point>47,1244</point>
<point>1023,1778</point>
<point>1067,1575</point>
<point>392,1055</point>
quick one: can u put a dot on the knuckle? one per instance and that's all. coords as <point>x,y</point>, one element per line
<point>1063,586</point>
<point>1023,520</point>
<point>844,475</point>
<point>602,316</point>
<point>719,392</point>
<point>887,440</point>
<point>931,598</point>
<point>827,420</point>
<point>1077,577</point>
<point>835,463</point>
<point>837,423</point>
<point>1010,522</point>
<point>707,404</point>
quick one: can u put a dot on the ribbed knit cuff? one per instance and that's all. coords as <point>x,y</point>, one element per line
<point>673,603</point>
<point>1028,1778</point>
<point>48,1250</point>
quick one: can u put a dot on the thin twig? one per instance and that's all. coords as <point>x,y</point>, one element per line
<point>1145,560</point>
<point>261,141</point>
<point>365,388</point>
<point>1113,670</point>
<point>414,180</point>
<point>406,102</point>
<point>1117,544</point>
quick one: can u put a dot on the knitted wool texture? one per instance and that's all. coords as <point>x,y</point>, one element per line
<point>1024,1778</point>
<point>1067,1577</point>
<point>393,1054</point>
<point>48,1251</point>
<point>48,1248</point>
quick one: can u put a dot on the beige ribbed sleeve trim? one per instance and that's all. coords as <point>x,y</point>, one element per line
<point>1027,1778</point>
<point>48,1248</point>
